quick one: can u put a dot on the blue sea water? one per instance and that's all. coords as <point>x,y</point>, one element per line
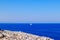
<point>51,30</point>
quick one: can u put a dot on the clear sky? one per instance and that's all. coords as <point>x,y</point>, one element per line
<point>27,11</point>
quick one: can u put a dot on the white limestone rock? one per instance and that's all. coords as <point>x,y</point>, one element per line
<point>14,35</point>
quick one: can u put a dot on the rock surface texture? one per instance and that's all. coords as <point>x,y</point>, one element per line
<point>13,35</point>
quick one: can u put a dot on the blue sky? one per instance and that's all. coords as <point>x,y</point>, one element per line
<point>29,11</point>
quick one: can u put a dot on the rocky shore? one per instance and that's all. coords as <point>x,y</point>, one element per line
<point>14,35</point>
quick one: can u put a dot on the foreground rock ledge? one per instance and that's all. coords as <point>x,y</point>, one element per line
<point>13,35</point>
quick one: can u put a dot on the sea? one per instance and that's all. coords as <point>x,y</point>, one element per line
<point>51,30</point>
